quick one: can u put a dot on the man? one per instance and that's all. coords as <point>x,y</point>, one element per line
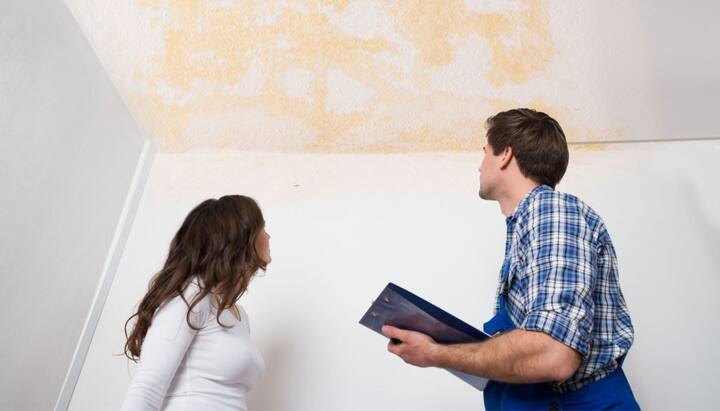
<point>562,328</point>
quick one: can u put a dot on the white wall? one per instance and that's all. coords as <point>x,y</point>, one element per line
<point>68,153</point>
<point>342,226</point>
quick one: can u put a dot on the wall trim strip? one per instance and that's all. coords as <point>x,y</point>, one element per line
<point>122,231</point>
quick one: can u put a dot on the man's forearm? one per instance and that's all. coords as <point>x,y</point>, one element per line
<point>519,356</point>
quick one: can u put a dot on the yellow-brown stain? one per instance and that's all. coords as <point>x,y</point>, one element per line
<point>520,42</point>
<point>596,147</point>
<point>211,52</point>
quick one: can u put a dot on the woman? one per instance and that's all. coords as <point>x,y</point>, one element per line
<point>192,339</point>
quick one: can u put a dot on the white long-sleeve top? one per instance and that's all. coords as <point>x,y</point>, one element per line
<point>183,369</point>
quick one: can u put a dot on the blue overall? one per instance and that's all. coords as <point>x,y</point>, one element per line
<point>612,392</point>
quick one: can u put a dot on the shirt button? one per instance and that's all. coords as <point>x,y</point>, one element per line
<point>554,406</point>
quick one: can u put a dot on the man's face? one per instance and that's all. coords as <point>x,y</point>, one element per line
<point>489,168</point>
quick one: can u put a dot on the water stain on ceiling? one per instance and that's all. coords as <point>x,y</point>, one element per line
<point>336,76</point>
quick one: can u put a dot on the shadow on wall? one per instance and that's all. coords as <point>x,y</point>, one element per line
<point>671,283</point>
<point>706,225</point>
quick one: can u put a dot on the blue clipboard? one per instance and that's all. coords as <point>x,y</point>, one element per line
<point>400,308</point>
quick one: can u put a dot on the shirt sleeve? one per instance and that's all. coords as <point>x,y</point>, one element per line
<point>559,274</point>
<point>166,342</point>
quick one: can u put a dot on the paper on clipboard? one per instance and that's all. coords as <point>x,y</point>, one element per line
<point>400,308</point>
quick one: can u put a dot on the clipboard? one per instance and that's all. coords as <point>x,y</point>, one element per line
<point>400,308</point>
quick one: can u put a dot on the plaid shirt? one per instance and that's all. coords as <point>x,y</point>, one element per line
<point>563,280</point>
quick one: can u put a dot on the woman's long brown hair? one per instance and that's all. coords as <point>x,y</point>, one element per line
<point>216,244</point>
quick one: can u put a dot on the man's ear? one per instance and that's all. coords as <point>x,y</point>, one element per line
<point>507,156</point>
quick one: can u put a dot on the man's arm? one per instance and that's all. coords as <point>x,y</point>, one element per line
<point>520,356</point>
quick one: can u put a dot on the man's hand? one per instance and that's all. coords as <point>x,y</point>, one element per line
<point>413,347</point>
<point>517,357</point>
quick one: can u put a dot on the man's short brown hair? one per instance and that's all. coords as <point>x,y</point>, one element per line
<point>537,141</point>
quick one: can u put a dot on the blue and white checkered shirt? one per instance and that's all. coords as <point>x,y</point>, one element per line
<point>563,281</point>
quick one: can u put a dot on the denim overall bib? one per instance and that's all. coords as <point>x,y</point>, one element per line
<point>612,392</point>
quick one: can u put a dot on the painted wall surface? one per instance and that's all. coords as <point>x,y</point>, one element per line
<point>405,76</point>
<point>68,149</point>
<point>342,226</point>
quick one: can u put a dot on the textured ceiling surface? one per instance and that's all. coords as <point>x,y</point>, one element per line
<point>367,76</point>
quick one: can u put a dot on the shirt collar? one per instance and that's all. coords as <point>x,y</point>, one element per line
<point>525,202</point>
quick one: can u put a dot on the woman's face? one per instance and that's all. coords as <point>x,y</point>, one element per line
<point>262,246</point>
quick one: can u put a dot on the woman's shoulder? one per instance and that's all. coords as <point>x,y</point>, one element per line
<point>177,306</point>
<point>203,308</point>
<point>243,313</point>
<point>244,318</point>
